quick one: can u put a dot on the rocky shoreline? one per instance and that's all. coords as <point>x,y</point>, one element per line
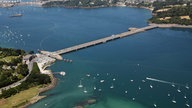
<point>43,70</point>
<point>171,25</point>
<point>42,90</point>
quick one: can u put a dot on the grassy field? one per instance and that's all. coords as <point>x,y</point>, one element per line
<point>8,58</point>
<point>19,99</point>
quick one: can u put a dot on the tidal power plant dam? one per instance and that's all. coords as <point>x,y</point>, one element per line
<point>56,54</point>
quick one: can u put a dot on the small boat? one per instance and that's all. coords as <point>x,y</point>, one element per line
<point>112,86</point>
<point>178,90</point>
<point>85,91</point>
<point>143,81</point>
<point>101,81</point>
<point>131,80</point>
<point>100,90</point>
<point>185,96</point>
<point>88,75</point>
<point>187,87</point>
<point>126,92</point>
<point>114,79</point>
<point>16,15</point>
<point>174,101</point>
<point>187,105</point>
<point>151,86</point>
<point>155,105</point>
<point>133,99</point>
<point>62,73</point>
<point>94,88</point>
<point>139,88</point>
<point>168,95</point>
<point>80,85</point>
<point>173,85</point>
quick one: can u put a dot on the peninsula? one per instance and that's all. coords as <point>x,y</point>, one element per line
<point>24,74</point>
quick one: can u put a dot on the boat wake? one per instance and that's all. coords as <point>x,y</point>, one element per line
<point>162,81</point>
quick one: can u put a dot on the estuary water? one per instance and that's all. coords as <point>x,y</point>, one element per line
<point>113,73</point>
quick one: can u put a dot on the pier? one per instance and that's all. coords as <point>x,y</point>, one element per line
<point>55,54</point>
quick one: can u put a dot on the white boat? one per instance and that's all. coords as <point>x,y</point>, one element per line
<point>131,80</point>
<point>168,94</point>
<point>151,86</point>
<point>143,81</point>
<point>114,79</point>
<point>85,91</point>
<point>94,88</point>
<point>133,99</point>
<point>174,101</point>
<point>187,105</point>
<point>100,90</point>
<point>139,88</point>
<point>155,105</point>
<point>126,92</point>
<point>101,81</point>
<point>80,85</point>
<point>185,96</point>
<point>62,73</point>
<point>173,85</point>
<point>112,86</point>
<point>178,90</point>
<point>88,75</point>
<point>187,87</point>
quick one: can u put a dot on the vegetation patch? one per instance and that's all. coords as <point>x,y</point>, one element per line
<point>20,98</point>
<point>172,12</point>
<point>34,79</point>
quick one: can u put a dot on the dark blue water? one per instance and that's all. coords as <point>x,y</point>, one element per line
<point>164,54</point>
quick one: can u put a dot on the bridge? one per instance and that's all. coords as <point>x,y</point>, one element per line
<point>56,54</point>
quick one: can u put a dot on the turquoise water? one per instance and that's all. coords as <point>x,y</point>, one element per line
<point>164,54</point>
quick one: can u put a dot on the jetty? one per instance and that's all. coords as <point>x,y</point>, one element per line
<point>131,31</point>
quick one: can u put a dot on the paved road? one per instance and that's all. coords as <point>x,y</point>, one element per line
<point>30,66</point>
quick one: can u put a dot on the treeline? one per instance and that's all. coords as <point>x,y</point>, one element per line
<point>176,11</point>
<point>162,4</point>
<point>10,52</point>
<point>175,14</point>
<point>13,70</point>
<point>34,79</point>
<point>76,3</point>
<point>10,76</point>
